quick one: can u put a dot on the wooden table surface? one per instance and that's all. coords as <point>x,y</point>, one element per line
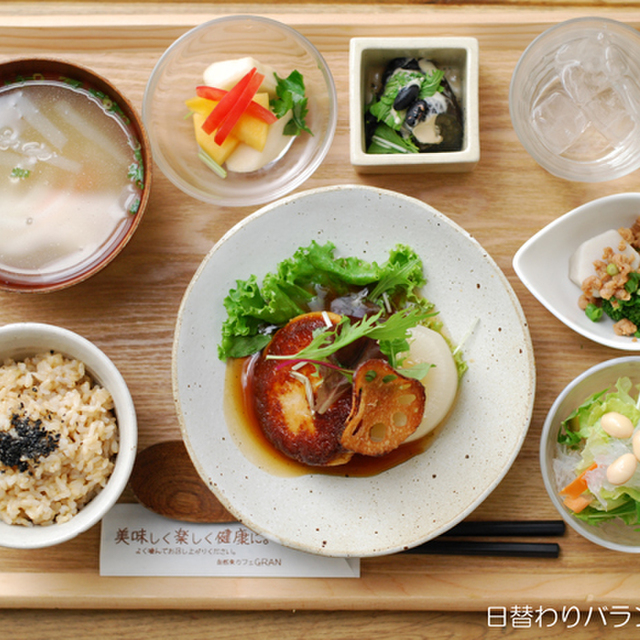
<point>129,311</point>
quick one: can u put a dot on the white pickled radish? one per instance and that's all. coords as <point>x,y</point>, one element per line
<point>441,381</point>
<point>616,425</point>
<point>226,73</point>
<point>245,159</point>
<point>622,469</point>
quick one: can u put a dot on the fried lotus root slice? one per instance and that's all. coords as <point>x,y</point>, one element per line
<point>387,408</point>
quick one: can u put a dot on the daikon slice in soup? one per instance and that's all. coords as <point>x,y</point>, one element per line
<point>71,178</point>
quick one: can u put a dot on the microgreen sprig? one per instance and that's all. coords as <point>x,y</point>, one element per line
<point>391,334</point>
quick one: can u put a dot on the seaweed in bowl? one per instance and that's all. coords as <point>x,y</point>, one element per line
<point>414,109</point>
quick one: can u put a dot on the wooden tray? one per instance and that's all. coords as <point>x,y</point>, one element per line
<point>129,311</point>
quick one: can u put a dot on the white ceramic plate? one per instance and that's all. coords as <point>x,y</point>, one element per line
<point>431,492</point>
<point>542,263</point>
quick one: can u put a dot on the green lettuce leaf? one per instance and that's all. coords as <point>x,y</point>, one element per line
<point>254,311</point>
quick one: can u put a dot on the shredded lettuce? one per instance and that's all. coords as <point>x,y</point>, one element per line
<point>255,311</point>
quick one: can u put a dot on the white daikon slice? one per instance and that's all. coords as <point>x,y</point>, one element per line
<point>226,73</point>
<point>245,159</point>
<point>441,381</point>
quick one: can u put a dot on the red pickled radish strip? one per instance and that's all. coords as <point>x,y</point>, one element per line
<point>238,108</point>
<point>254,109</point>
<point>215,118</point>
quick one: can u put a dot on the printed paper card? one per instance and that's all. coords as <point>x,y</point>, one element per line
<point>137,542</point>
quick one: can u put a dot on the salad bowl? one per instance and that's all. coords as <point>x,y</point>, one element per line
<point>542,263</point>
<point>613,534</point>
<point>427,494</point>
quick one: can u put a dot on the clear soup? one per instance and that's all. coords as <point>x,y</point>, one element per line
<point>71,179</point>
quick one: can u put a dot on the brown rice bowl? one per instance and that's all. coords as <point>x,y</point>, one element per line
<point>58,439</point>
<point>79,394</point>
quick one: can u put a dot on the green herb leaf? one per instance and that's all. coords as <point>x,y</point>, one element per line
<point>417,371</point>
<point>18,172</point>
<point>291,97</point>
<point>329,340</point>
<point>386,140</point>
<point>383,109</point>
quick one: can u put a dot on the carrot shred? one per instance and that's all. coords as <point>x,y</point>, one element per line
<point>578,504</point>
<point>578,486</point>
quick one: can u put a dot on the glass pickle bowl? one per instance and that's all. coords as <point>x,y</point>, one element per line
<point>180,70</point>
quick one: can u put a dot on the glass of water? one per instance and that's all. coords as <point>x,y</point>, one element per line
<point>575,99</point>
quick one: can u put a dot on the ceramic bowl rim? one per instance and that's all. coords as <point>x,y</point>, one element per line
<point>22,336</point>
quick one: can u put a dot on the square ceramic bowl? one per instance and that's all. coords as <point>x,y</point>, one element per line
<point>367,60</point>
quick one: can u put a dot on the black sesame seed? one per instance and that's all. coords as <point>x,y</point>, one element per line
<point>26,442</point>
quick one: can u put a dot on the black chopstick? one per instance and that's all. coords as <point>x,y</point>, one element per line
<point>530,528</point>
<point>481,548</point>
<point>499,528</point>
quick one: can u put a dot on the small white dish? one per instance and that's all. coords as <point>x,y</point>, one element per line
<point>368,56</point>
<point>25,339</point>
<point>429,493</point>
<point>542,263</point>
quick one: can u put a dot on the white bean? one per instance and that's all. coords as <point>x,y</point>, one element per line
<point>617,425</point>
<point>621,470</point>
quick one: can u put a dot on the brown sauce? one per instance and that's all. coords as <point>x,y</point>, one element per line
<point>247,434</point>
